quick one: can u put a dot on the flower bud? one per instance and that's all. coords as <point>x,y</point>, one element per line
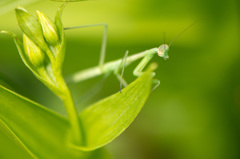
<point>49,29</point>
<point>31,27</point>
<point>33,52</point>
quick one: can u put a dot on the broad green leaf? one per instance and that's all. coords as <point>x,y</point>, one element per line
<point>11,150</point>
<point>108,118</point>
<point>41,132</point>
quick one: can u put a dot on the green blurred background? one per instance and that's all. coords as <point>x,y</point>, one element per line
<point>194,113</point>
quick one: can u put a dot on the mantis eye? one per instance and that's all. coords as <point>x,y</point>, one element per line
<point>163,51</point>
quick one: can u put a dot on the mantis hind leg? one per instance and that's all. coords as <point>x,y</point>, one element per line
<point>104,40</point>
<point>116,72</point>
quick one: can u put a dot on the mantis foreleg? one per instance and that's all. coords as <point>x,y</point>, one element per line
<point>138,70</point>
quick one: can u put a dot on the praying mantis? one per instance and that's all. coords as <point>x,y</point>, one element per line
<point>115,66</point>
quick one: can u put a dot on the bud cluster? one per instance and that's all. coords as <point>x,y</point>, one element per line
<point>43,46</point>
<point>39,36</point>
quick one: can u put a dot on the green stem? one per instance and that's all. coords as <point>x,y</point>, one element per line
<point>74,119</point>
<point>63,92</point>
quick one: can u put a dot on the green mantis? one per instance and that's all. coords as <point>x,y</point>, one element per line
<point>114,66</point>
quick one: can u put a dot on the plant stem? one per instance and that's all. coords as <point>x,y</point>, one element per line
<point>74,119</point>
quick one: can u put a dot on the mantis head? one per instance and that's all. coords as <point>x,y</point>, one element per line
<point>163,51</point>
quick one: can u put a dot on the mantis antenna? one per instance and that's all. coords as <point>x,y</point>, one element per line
<point>182,32</point>
<point>164,39</point>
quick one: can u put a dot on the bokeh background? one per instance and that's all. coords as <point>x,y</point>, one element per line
<point>194,113</point>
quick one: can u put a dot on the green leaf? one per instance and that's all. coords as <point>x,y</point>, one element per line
<point>41,132</point>
<point>108,118</point>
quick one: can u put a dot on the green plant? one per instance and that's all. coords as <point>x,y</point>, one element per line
<point>42,132</point>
